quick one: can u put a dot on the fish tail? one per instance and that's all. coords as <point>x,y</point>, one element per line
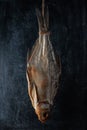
<point>43,19</point>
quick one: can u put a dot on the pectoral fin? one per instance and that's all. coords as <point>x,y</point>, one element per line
<point>30,87</point>
<point>32,91</point>
<point>28,56</point>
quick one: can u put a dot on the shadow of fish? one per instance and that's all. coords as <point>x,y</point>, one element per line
<point>43,70</point>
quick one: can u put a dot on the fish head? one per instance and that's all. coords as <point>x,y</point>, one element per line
<point>43,111</point>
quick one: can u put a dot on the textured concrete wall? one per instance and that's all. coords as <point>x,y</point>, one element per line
<point>18,32</point>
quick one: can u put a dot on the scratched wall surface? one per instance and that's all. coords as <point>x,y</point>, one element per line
<point>18,32</point>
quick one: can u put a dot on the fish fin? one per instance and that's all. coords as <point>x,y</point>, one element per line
<point>30,87</point>
<point>46,18</point>
<point>39,18</point>
<point>28,56</point>
<point>30,53</point>
<point>32,90</point>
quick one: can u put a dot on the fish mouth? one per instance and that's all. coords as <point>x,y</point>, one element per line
<point>43,116</point>
<point>43,111</point>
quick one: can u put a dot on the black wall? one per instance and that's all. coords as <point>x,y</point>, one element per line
<point>18,32</point>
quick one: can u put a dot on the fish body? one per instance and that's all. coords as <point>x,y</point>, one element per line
<point>43,71</point>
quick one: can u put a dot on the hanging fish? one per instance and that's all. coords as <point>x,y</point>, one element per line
<point>43,70</point>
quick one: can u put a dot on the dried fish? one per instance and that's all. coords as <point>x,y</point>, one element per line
<point>43,70</point>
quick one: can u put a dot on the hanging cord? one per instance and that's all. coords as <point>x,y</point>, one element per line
<point>43,6</point>
<point>44,17</point>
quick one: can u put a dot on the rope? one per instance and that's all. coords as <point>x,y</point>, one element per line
<point>43,6</point>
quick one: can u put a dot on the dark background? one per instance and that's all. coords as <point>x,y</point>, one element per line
<point>18,32</point>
